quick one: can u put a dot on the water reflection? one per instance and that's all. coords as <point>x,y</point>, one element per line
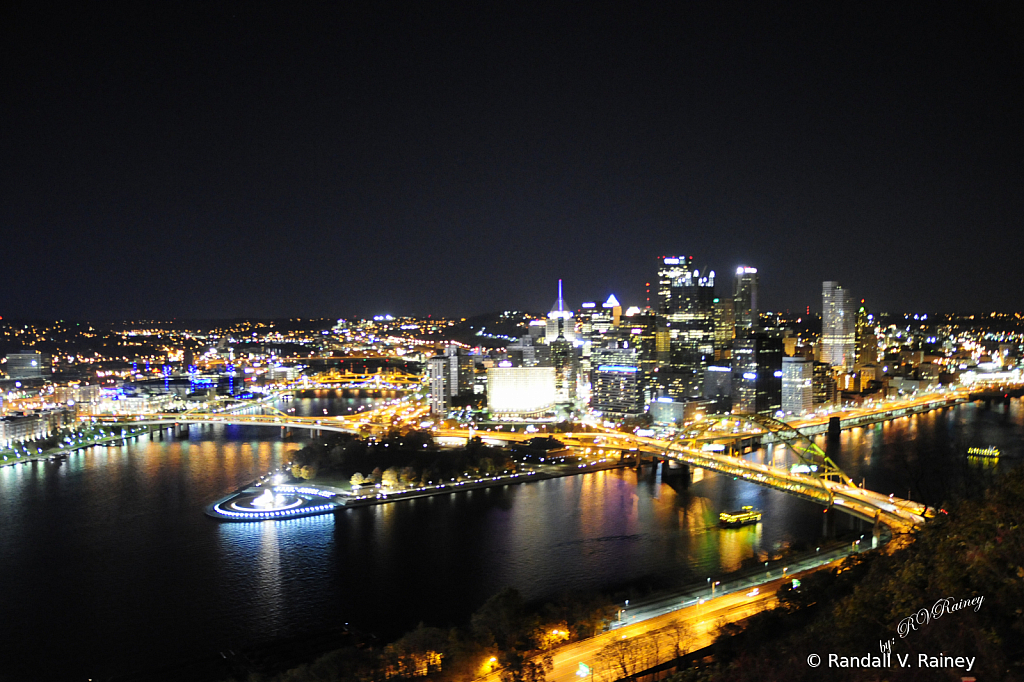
<point>221,585</point>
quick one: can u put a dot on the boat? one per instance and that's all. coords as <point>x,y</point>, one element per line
<point>989,452</point>
<point>740,517</point>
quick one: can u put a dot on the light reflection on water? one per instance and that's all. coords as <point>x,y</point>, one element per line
<point>114,538</point>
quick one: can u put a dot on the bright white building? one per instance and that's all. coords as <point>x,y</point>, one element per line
<point>520,391</point>
<point>797,386</point>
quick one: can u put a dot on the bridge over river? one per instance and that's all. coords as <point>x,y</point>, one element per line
<point>711,445</point>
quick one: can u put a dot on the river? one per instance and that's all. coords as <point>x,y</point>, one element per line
<point>111,570</point>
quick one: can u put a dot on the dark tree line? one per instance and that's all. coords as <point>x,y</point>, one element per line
<point>407,459</point>
<point>506,633</point>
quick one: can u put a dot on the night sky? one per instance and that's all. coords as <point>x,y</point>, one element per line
<point>259,159</point>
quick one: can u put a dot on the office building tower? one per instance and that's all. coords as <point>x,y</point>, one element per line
<point>615,382</point>
<point>725,326</point>
<point>29,365</point>
<point>718,386</point>
<point>757,374</point>
<point>866,341</point>
<point>823,385</point>
<point>838,326</point>
<point>797,386</point>
<point>613,309</point>
<point>640,331</point>
<point>745,300</point>
<point>525,353</point>
<point>690,323</point>
<point>563,359</point>
<point>450,376</point>
<point>560,319</point>
<point>670,269</point>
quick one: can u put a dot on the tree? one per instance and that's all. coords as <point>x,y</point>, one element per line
<point>407,476</point>
<point>504,622</point>
<point>375,476</point>
<point>357,479</point>
<point>390,477</point>
<point>519,666</point>
<point>679,635</point>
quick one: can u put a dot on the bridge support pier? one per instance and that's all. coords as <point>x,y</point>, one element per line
<point>834,426</point>
<point>828,523</point>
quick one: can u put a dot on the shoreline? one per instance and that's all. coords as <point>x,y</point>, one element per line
<point>337,501</point>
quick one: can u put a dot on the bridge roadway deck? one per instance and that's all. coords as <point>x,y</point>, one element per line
<point>338,424</point>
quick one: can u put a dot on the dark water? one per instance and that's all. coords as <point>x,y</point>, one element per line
<point>109,567</point>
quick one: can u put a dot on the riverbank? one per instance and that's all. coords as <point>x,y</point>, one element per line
<point>80,444</point>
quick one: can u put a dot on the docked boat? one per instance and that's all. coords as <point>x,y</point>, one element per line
<point>741,517</point>
<point>989,452</point>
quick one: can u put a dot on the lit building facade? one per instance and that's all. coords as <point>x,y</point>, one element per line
<point>616,387</point>
<point>838,326</point>
<point>797,386</point>
<point>670,269</point>
<point>824,387</point>
<point>29,365</point>
<point>449,375</point>
<point>757,375</point>
<point>560,321</point>
<point>745,300</point>
<point>520,391</point>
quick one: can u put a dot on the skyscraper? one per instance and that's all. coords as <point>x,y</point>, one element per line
<point>560,313</point>
<point>745,300</point>
<point>838,326</point>
<point>450,376</point>
<point>757,374</point>
<point>691,331</point>
<point>670,269</point>
<point>725,326</point>
<point>867,342</point>
<point>616,389</point>
<point>563,359</point>
<point>797,386</point>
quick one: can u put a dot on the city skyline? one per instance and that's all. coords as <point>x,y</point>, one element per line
<point>226,161</point>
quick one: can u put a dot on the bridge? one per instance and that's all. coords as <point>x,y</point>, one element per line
<point>337,424</point>
<point>815,478</point>
<point>379,379</point>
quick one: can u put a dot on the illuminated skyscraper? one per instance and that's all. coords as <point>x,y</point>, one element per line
<point>450,376</point>
<point>563,359</point>
<point>745,300</point>
<point>691,331</point>
<point>615,386</point>
<point>757,374</point>
<point>560,313</point>
<point>725,326</point>
<point>797,386</point>
<point>670,269</point>
<point>838,326</point>
<point>867,342</point>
